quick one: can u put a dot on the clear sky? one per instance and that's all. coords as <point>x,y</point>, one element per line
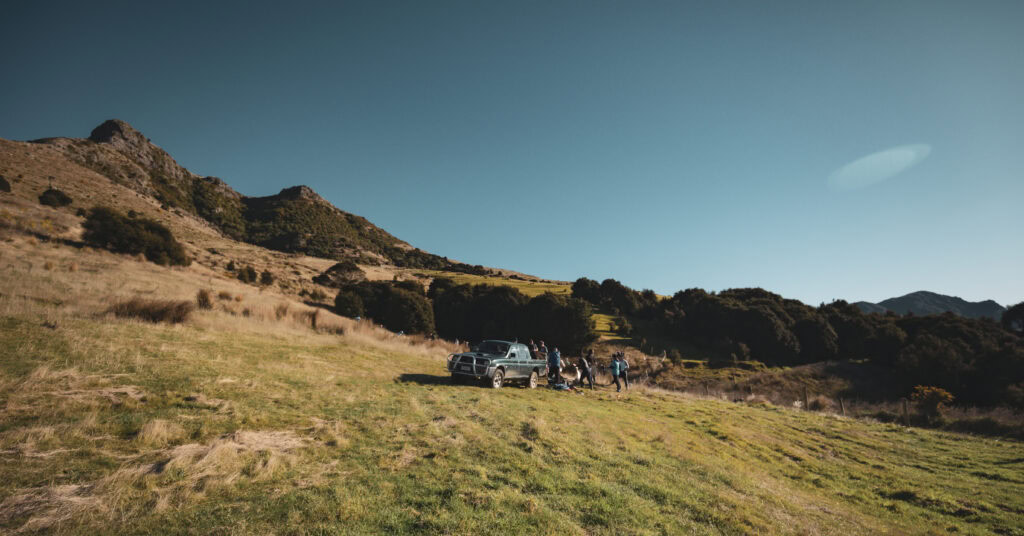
<point>821,150</point>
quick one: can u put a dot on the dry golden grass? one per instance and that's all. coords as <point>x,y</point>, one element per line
<point>156,311</point>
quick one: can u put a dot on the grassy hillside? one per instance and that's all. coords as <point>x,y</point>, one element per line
<point>529,287</point>
<point>251,422</point>
<point>296,220</point>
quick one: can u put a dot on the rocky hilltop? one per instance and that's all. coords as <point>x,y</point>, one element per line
<point>296,220</point>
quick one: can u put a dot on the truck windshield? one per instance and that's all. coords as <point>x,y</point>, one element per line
<point>493,347</point>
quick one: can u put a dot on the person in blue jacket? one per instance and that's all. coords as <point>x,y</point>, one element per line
<point>554,366</point>
<point>614,369</point>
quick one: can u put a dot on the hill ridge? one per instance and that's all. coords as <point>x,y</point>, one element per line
<point>925,302</point>
<point>295,220</point>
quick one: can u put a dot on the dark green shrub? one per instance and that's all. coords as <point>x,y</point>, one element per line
<point>109,229</point>
<point>4,185</point>
<point>231,266</point>
<point>267,278</point>
<point>341,274</point>
<point>170,311</point>
<point>348,303</point>
<point>439,285</point>
<point>411,286</point>
<point>1012,320</point>
<point>247,275</point>
<point>53,197</point>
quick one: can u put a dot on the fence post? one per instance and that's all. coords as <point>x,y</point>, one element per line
<point>806,405</point>
<point>842,406</point>
<point>906,412</point>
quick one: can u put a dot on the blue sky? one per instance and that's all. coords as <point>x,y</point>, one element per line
<point>821,150</point>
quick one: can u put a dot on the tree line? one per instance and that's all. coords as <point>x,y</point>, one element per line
<point>980,361</point>
<point>470,312</point>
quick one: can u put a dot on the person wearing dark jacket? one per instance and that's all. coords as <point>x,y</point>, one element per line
<point>587,369</point>
<point>623,368</point>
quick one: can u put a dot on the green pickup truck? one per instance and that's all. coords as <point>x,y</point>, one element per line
<point>498,362</point>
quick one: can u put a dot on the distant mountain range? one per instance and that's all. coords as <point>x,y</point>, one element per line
<point>923,302</point>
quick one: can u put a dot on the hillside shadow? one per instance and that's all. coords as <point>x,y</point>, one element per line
<point>318,305</point>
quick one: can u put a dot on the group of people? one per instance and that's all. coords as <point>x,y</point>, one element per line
<point>586,365</point>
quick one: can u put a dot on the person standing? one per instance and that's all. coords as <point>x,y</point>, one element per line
<point>614,369</point>
<point>533,350</point>
<point>623,369</point>
<point>554,365</point>
<point>587,369</point>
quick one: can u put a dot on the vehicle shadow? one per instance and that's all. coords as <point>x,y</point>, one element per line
<point>425,379</point>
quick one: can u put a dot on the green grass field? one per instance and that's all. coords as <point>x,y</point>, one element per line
<point>238,426</point>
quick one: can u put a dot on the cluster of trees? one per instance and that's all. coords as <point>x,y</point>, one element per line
<point>478,312</point>
<point>398,306</point>
<point>980,361</point>
<point>470,312</point>
<point>616,298</point>
<point>133,234</point>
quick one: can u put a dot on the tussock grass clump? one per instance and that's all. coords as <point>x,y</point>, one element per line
<point>203,299</point>
<point>159,433</point>
<point>281,311</point>
<point>156,311</point>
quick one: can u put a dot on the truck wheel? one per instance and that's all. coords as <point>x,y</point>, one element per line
<point>498,379</point>
<point>532,383</point>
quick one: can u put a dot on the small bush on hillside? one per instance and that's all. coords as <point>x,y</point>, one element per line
<point>53,197</point>
<point>203,299</point>
<point>170,311</point>
<point>224,295</point>
<point>348,303</point>
<point>931,401</point>
<point>266,278</point>
<point>438,286</point>
<point>247,275</point>
<point>4,185</point>
<point>231,266</point>
<point>411,286</point>
<point>109,229</point>
<point>622,326</point>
